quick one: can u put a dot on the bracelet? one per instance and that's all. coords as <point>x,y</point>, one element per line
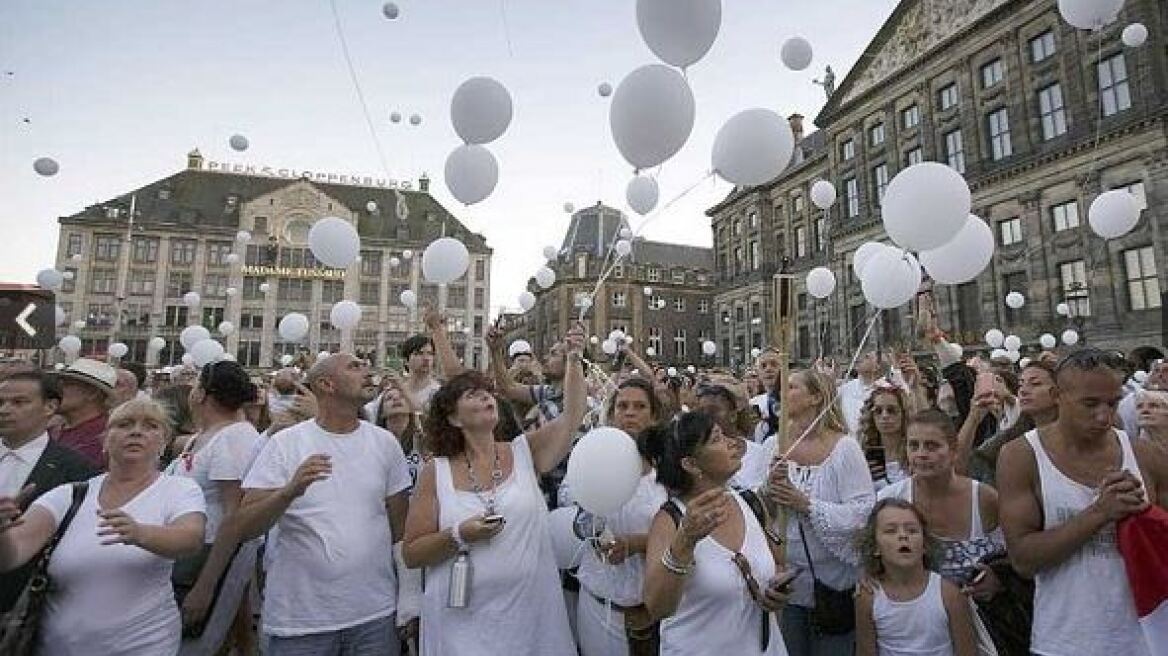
<point>673,565</point>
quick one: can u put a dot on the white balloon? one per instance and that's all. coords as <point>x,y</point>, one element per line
<point>642,194</point>
<point>415,119</point>
<point>964,257</point>
<point>46,166</point>
<point>50,279</point>
<point>569,208</point>
<point>1135,35</point>
<point>864,254</point>
<point>1062,309</point>
<point>480,110</point>
<point>1089,14</point>
<point>192,335</point>
<point>1014,356</point>
<point>648,291</point>
<point>651,114</point>
<point>471,173</point>
<point>191,299</point>
<point>891,278</point>
<point>118,350</point>
<point>445,260</point>
<point>753,147</point>
<point>70,344</point>
<point>526,300</point>
<point>820,282</point>
<point>709,347</point>
<point>550,252</point>
<point>231,258</point>
<point>285,359</point>
<point>390,10</point>
<point>394,262</point>
<point>679,32</point>
<point>61,316</point>
<point>226,328</point>
<point>925,206</point>
<point>1024,362</point>
<point>567,547</point>
<point>994,338</point>
<point>604,470</point>
<point>617,335</point>
<point>345,315</point>
<point>671,372</point>
<point>1012,342</point>
<point>823,194</point>
<point>264,287</point>
<point>371,207</point>
<point>1015,300</point>
<point>650,351</point>
<point>238,142</point>
<point>1140,377</point>
<point>395,117</point>
<point>1113,214</point>
<point>231,291</point>
<point>796,53</point>
<point>1070,337</point>
<point>206,352</point>
<point>293,327</point>
<point>1047,341</point>
<point>68,275</point>
<point>334,242</point>
<point>79,324</point>
<point>545,277</point>
<point>609,346</point>
<point>605,89</point>
<point>156,344</point>
<point>408,298</point>
<point>230,357</point>
<point>623,247</point>
<point>585,302</point>
<point>594,340</point>
<point>243,236</point>
<point>188,359</point>
<point>998,354</point>
<point>77,257</point>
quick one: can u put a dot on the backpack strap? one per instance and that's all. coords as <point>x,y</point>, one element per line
<point>672,509</point>
<point>759,509</point>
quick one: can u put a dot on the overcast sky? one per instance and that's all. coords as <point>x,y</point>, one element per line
<point>119,90</point>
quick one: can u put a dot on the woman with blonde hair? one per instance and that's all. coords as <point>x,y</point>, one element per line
<point>110,589</point>
<point>883,422</point>
<point>822,482</point>
<point>397,414</point>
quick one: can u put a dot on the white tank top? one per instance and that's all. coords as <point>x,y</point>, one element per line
<point>1084,604</point>
<point>919,627</point>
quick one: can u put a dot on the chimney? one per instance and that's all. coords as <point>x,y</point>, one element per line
<point>194,159</point>
<point>796,123</point>
<point>424,184</point>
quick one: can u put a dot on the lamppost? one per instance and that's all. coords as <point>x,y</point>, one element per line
<point>1077,298</point>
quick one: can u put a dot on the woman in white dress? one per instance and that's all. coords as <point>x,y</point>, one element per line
<point>711,575</point>
<point>883,422</point>
<point>111,591</point>
<point>479,500</point>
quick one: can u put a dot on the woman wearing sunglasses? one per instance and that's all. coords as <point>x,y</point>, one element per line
<point>712,573</point>
<point>883,421</point>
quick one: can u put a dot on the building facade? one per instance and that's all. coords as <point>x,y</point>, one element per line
<point>660,294</point>
<point>142,252</point>
<point>1039,117</point>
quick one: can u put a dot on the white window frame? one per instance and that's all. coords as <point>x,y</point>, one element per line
<point>949,96</point>
<point>876,134</point>
<point>620,299</point>
<point>955,150</point>
<point>1065,216</point>
<point>848,150</point>
<point>1042,47</point>
<point>1052,111</point>
<point>852,196</point>
<point>1001,146</point>
<point>910,116</point>
<point>1143,282</point>
<point>1010,231</point>
<point>992,73</point>
<point>800,241</point>
<point>1071,274</point>
<point>880,181</point>
<point>1113,84</point>
<point>914,156</point>
<point>679,343</point>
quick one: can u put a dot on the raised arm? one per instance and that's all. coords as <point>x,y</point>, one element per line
<point>498,366</point>
<point>436,325</point>
<point>643,368</point>
<point>551,442</point>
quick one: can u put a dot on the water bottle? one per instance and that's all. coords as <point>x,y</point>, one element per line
<point>459,581</point>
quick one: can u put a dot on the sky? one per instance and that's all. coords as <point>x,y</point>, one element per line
<point>118,91</point>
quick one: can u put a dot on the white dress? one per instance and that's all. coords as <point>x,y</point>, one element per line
<point>716,615</point>
<point>515,604</point>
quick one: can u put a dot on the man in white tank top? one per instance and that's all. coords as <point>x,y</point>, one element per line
<point>1063,488</point>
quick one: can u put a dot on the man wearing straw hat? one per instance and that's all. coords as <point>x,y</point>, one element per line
<point>87,388</point>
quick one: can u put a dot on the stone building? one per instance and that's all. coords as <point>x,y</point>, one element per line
<point>1039,117</point>
<point>180,236</point>
<point>673,319</point>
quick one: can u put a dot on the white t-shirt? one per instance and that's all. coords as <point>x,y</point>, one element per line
<point>852,395</point>
<point>114,599</point>
<point>224,457</point>
<point>335,564</point>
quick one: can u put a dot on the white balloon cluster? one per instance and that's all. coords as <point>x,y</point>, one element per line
<point>891,278</point>
<point>445,260</point>
<point>964,257</point>
<point>481,111</point>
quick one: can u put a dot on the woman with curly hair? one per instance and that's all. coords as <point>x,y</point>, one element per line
<point>397,414</point>
<point>883,422</point>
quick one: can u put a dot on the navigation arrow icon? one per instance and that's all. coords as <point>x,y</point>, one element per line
<point>22,320</point>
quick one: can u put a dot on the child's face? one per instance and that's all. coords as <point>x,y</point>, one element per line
<point>899,538</point>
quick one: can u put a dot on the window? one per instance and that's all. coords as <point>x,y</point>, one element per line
<point>620,299</point>
<point>332,291</point>
<point>370,293</point>
<point>217,252</point>
<point>178,283</point>
<point>479,298</point>
<point>755,256</point>
<point>704,306</point>
<point>251,320</point>
<point>1075,289</point>
<point>145,250</point>
<point>248,354</point>
<point>992,73</point>
<point>1143,287</point>
<point>655,340</point>
<point>880,181</point>
<point>70,283</point>
<point>101,281</point>
<point>456,296</point>
<point>805,341</point>
<point>99,314</point>
<point>678,275</point>
<point>679,304</point>
<point>1010,231</point>
<point>890,324</point>
<point>1050,108</point>
<point>800,241</point>
<point>914,156</point>
<point>752,219</point>
<point>859,322</point>
<point>294,289</point>
<point>679,343</point>
<point>955,150</point>
<point>739,264</point>
<point>848,150</point>
<point>948,96</point>
<point>212,317</point>
<point>910,116</point>
<point>251,288</point>
<point>1042,46</point>
<point>297,257</point>
<point>182,251</point>
<point>739,314</point>
<point>968,306</point>
<point>480,269</point>
<point>215,284</point>
<point>371,263</point>
<point>1136,189</point>
<point>260,224</point>
<point>1113,86</point>
<point>654,274</point>
<point>175,316</point>
<point>852,195</point>
<point>107,248</point>
<point>74,246</point>
<point>820,233</point>
<point>1066,216</point>
<point>142,282</point>
<point>1000,144</point>
<point>1014,282</point>
<point>876,134</point>
<point>797,204</point>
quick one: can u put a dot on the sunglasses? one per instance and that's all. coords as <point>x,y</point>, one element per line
<point>885,410</point>
<point>743,565</point>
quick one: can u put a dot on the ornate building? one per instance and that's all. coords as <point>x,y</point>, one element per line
<point>142,251</point>
<point>673,318</point>
<point>1039,117</point>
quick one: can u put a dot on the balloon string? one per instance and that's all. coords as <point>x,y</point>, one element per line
<point>661,209</point>
<point>506,27</point>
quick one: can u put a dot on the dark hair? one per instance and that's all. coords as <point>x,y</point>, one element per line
<point>656,409</point>
<point>176,400</point>
<point>869,434</point>
<point>1091,359</point>
<point>1143,357</point>
<point>228,384</point>
<point>1009,379</point>
<point>720,391</point>
<point>667,444</point>
<point>444,438</point>
<point>412,345</point>
<point>48,384</point>
<point>866,543</point>
<point>936,419</point>
<point>136,368</point>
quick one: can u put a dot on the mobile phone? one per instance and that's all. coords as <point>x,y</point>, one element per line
<point>979,577</point>
<point>494,519</point>
<point>784,582</point>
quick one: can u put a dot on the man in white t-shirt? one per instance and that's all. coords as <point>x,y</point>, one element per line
<point>336,487</point>
<point>855,392</point>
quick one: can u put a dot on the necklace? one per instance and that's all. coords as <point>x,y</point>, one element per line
<point>496,478</point>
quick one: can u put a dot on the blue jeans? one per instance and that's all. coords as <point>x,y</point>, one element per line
<point>803,640</point>
<point>374,638</point>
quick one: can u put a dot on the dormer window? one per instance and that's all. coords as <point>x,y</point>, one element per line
<point>232,203</point>
<point>163,194</point>
<point>112,212</point>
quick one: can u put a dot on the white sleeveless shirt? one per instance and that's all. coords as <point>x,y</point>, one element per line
<point>918,627</point>
<point>1084,604</point>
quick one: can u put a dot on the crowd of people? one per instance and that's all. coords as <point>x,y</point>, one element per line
<point>919,503</point>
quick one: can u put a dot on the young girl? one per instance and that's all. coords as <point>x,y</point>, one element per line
<point>911,610</point>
